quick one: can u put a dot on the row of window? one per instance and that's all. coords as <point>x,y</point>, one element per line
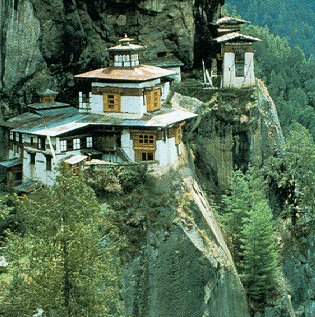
<point>143,141</point>
<point>39,142</point>
<point>76,144</point>
<point>126,58</point>
<point>48,160</point>
<point>112,102</point>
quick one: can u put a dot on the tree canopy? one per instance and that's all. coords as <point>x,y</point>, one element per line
<point>291,19</point>
<point>62,262</point>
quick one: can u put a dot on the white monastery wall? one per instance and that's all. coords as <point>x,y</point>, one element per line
<point>166,152</point>
<point>127,144</point>
<point>229,78</point>
<point>165,90</point>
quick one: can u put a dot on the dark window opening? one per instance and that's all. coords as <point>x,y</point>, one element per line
<point>41,143</point>
<point>239,63</point>
<point>48,163</point>
<point>83,143</point>
<point>20,138</point>
<point>32,156</point>
<point>16,4</point>
<point>32,141</point>
<point>147,156</point>
<point>161,54</point>
<point>69,145</point>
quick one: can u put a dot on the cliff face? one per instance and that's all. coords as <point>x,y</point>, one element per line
<point>235,128</point>
<point>184,267</point>
<point>43,43</point>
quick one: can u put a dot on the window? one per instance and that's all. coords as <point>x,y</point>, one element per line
<point>21,138</point>
<point>48,163</point>
<point>32,140</point>
<point>76,144</point>
<point>239,63</point>
<point>32,158</point>
<point>144,155</point>
<point>69,145</point>
<point>112,102</point>
<point>76,169</point>
<point>89,142</point>
<point>42,143</point>
<point>153,99</point>
<point>63,145</point>
<point>83,143</point>
<point>144,141</point>
<point>147,156</point>
<point>11,135</point>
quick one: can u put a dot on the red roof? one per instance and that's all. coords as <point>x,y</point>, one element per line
<point>139,73</point>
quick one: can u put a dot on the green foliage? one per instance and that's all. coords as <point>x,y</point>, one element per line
<point>260,255</point>
<point>289,76</point>
<point>292,19</point>
<point>248,222</point>
<point>116,178</point>
<point>149,204</point>
<point>237,204</point>
<point>8,221</point>
<point>61,263</point>
<point>292,176</point>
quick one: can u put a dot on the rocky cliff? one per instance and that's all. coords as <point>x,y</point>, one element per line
<point>235,128</point>
<point>44,43</point>
<point>183,267</point>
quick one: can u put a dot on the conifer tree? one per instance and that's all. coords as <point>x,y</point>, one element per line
<point>237,203</point>
<point>248,220</point>
<point>260,256</point>
<point>61,263</point>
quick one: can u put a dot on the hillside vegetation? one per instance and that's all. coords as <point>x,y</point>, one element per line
<point>291,19</point>
<point>289,76</point>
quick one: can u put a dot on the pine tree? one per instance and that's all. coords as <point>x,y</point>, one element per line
<point>260,255</point>
<point>60,262</point>
<point>248,221</point>
<point>237,204</point>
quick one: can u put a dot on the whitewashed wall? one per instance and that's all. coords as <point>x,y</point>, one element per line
<point>166,152</point>
<point>229,78</point>
<point>127,144</point>
<point>165,90</point>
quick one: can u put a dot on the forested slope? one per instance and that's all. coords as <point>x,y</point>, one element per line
<point>290,78</point>
<point>293,19</point>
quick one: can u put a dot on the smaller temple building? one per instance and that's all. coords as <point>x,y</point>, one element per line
<point>234,61</point>
<point>123,115</point>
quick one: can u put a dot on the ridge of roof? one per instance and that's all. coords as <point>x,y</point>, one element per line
<point>234,36</point>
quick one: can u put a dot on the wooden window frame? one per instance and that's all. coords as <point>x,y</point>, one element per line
<point>143,155</point>
<point>144,141</point>
<point>111,102</point>
<point>153,99</point>
<point>178,135</point>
